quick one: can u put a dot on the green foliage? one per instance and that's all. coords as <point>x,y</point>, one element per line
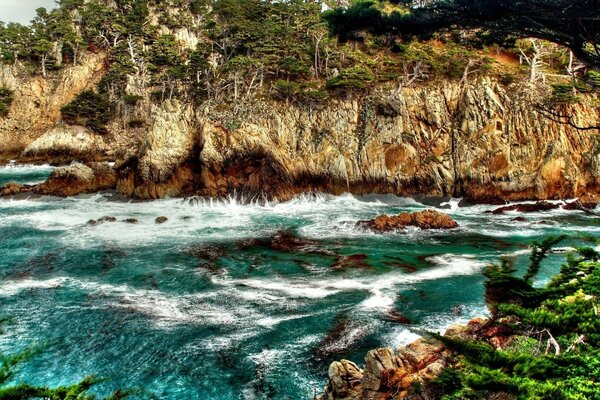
<point>563,94</point>
<point>287,89</point>
<point>6,98</point>
<point>564,314</point>
<point>89,109</point>
<point>352,78</point>
<point>131,99</point>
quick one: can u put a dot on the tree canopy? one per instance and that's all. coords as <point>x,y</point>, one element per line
<point>573,24</point>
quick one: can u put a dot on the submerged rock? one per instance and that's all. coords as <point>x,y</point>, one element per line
<point>428,219</point>
<point>396,316</point>
<point>161,220</point>
<point>131,221</point>
<point>209,252</point>
<point>351,261</point>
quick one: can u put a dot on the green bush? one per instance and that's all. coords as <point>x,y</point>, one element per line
<point>563,94</point>
<point>286,89</point>
<point>132,99</point>
<point>352,78</point>
<point>315,95</point>
<point>6,99</point>
<point>565,310</point>
<point>89,109</point>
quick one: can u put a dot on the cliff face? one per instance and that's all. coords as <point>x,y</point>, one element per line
<point>37,101</point>
<point>483,141</point>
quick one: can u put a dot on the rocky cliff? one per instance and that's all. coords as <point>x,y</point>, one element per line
<point>482,140</point>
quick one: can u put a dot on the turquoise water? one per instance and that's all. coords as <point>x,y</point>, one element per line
<point>204,307</point>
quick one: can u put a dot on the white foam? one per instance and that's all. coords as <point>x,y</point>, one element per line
<point>12,288</point>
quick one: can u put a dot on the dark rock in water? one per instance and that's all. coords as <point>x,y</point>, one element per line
<point>485,200</point>
<point>209,252</point>
<point>579,206</point>
<point>396,316</point>
<point>93,222</point>
<point>540,206</point>
<point>544,222</point>
<point>131,221</point>
<point>340,338</point>
<point>351,261</point>
<point>161,220</point>
<point>405,266</point>
<point>519,219</point>
<point>288,242</point>
<point>428,219</point>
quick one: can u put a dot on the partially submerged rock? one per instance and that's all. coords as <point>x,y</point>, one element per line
<point>77,179</point>
<point>428,219</point>
<point>540,206</point>
<point>161,220</point>
<point>11,189</point>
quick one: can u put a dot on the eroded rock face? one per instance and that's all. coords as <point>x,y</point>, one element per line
<point>428,219</point>
<point>482,141</point>
<point>78,179</point>
<point>387,373</point>
<point>37,101</point>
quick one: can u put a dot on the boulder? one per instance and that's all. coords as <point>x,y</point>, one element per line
<point>77,179</point>
<point>161,220</point>
<point>428,219</point>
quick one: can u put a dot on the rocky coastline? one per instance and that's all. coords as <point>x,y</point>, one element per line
<point>482,141</point>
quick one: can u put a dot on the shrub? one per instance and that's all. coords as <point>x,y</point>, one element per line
<point>352,78</point>
<point>131,99</point>
<point>286,89</point>
<point>89,109</point>
<point>6,98</point>
<point>563,94</point>
<point>315,95</point>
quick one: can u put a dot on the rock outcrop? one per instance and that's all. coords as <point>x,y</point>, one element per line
<point>428,219</point>
<point>387,374</point>
<point>65,143</point>
<point>78,179</point>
